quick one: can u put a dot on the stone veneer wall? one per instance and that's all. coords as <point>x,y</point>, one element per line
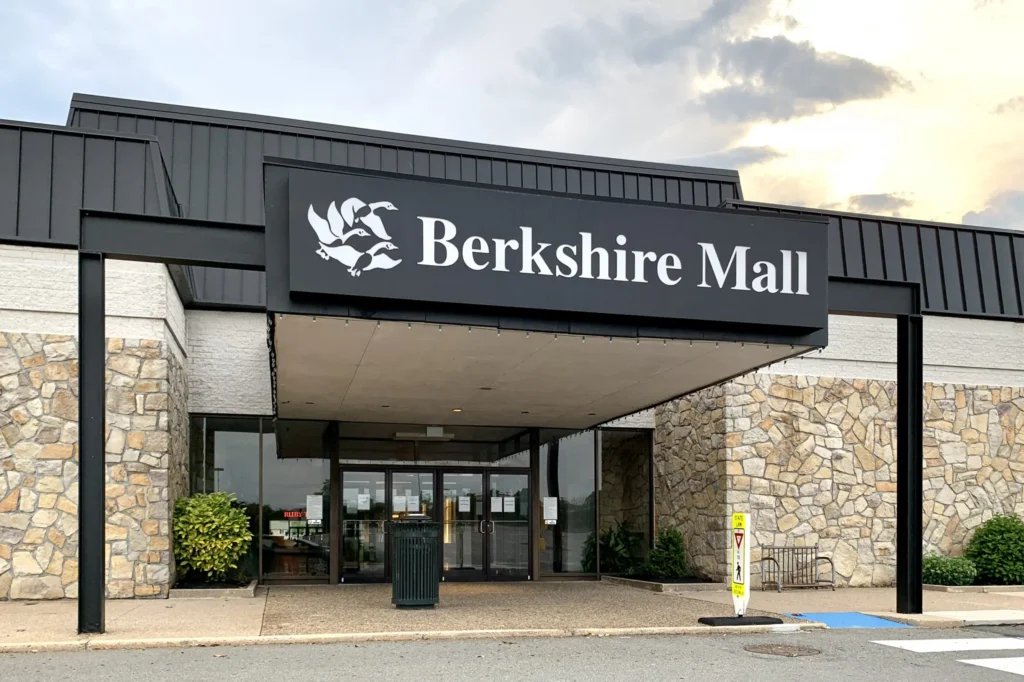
<point>625,481</point>
<point>689,471</point>
<point>813,460</point>
<point>39,465</point>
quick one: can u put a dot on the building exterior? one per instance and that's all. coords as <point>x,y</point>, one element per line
<point>332,401</point>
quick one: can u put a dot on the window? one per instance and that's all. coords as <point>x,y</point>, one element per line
<point>626,484</point>
<point>567,474</point>
<point>296,501</point>
<point>225,457</point>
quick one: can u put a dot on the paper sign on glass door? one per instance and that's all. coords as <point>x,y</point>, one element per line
<point>550,511</point>
<point>362,502</point>
<point>495,505</point>
<point>314,508</point>
<point>464,504</point>
<point>398,503</point>
<point>412,503</point>
<point>510,505</point>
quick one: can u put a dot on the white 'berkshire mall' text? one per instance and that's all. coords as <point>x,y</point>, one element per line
<point>587,261</point>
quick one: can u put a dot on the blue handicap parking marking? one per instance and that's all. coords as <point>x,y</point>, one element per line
<point>851,619</point>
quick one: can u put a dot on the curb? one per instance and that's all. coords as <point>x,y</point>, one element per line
<point>103,644</point>
<point>247,592</point>
<point>970,623</point>
<point>974,589</point>
<point>44,647</point>
<point>943,622</point>
<point>669,588</point>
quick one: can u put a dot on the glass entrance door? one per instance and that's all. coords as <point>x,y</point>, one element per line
<point>365,513</point>
<point>508,528</point>
<point>484,517</point>
<point>486,526</point>
<point>462,527</point>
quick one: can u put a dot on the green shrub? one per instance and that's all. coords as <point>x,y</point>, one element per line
<point>668,558</point>
<point>620,545</point>
<point>211,534</point>
<point>946,570</point>
<point>997,550</point>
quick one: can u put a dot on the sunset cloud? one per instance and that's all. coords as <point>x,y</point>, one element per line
<point>860,104</point>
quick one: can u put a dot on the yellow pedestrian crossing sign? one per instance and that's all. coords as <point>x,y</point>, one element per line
<point>740,562</point>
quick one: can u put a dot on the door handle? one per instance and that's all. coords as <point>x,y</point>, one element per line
<point>490,527</point>
<point>482,527</point>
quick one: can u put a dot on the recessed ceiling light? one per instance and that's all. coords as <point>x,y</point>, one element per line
<point>485,388</point>
<point>456,409</point>
<point>385,406</point>
<point>592,414</point>
<point>525,412</point>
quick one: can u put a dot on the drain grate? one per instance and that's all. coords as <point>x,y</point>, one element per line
<point>787,650</point>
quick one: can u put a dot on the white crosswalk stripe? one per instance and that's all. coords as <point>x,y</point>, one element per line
<point>1013,665</point>
<point>935,646</point>
<point>1007,665</point>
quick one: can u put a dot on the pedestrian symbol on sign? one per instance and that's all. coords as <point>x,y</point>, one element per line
<point>738,558</point>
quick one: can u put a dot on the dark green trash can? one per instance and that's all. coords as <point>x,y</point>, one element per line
<point>415,562</point>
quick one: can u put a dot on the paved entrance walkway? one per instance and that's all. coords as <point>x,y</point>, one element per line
<point>482,606</point>
<point>278,613</point>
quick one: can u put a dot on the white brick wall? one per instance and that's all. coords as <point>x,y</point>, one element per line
<point>956,350</point>
<point>229,363</point>
<point>638,420</point>
<point>39,294</point>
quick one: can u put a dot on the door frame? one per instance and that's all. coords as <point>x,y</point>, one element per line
<point>486,472</point>
<point>482,575</point>
<point>437,471</point>
<point>530,518</point>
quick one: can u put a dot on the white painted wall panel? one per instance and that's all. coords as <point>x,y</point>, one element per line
<point>956,350</point>
<point>39,294</point>
<point>229,363</point>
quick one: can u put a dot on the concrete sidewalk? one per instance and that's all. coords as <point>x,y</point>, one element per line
<point>363,613</point>
<point>57,621</point>
<point>351,613</point>
<point>941,609</point>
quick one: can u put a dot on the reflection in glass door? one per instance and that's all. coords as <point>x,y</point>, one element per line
<point>462,540</point>
<point>508,530</point>
<point>364,510</point>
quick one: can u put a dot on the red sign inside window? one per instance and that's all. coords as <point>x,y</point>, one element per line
<point>295,514</point>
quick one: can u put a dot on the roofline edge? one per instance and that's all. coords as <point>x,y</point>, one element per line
<point>204,115</point>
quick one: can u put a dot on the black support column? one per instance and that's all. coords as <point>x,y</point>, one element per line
<point>537,517</point>
<point>91,419</point>
<point>909,463</point>
<point>332,451</point>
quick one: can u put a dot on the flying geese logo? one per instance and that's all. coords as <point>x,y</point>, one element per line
<point>359,222</point>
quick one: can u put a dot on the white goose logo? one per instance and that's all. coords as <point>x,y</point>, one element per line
<point>353,220</point>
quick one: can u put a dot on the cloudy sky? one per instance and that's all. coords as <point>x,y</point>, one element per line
<point>912,107</point>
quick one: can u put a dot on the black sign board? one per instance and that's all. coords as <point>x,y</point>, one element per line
<point>409,239</point>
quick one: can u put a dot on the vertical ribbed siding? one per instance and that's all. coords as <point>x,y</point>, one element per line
<point>48,174</point>
<point>962,270</point>
<point>217,173</point>
<point>217,170</point>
